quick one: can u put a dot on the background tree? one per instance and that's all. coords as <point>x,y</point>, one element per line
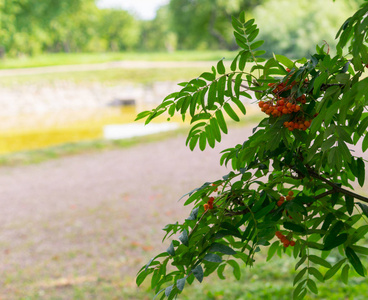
<point>287,29</point>
<point>205,23</point>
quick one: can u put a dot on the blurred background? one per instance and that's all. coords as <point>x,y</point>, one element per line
<point>73,76</point>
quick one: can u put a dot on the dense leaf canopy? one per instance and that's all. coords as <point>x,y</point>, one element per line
<point>291,187</point>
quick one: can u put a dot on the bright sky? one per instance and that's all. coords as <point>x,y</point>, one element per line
<point>145,9</point>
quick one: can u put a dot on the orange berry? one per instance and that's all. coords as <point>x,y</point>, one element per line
<point>296,126</point>
<point>286,124</point>
<point>210,205</point>
<point>282,198</point>
<point>283,239</point>
<point>297,108</point>
<point>206,206</point>
<point>279,234</point>
<point>289,105</point>
<point>291,128</point>
<point>281,102</point>
<point>291,193</point>
<point>302,127</point>
<point>288,70</point>
<point>279,203</point>
<point>271,84</point>
<point>292,243</point>
<point>211,199</point>
<point>260,103</point>
<point>288,198</point>
<point>279,108</point>
<point>307,124</point>
<point>266,106</point>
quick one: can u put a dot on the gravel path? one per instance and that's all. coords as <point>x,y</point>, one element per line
<point>93,216</point>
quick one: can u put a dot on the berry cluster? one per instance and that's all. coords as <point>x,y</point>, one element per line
<point>281,107</point>
<point>282,199</point>
<point>298,123</point>
<point>286,105</point>
<point>209,204</point>
<point>284,240</point>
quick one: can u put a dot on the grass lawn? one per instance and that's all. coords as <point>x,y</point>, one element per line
<point>56,59</point>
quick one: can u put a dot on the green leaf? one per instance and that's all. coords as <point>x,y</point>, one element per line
<point>317,274</point>
<point>183,237</point>
<point>361,172</point>
<point>236,268</point>
<point>215,129</point>
<point>142,276</point>
<point>142,115</point>
<point>239,104</point>
<point>213,258</point>
<point>332,234</point>
<point>253,35</point>
<point>337,241</point>
<point>312,286</point>
<point>208,76</point>
<point>198,273</point>
<point>300,275</point>
<point>193,142</point>
<point>300,262</point>
<point>360,249</point>
<point>168,290</point>
<point>285,61</point>
<point>231,112</point>
<point>256,45</point>
<point>349,204</point>
<point>272,250</point>
<point>300,290</point>
<point>202,141</point>
<point>331,272</point>
<point>221,121</point>
<point>171,250</point>
<point>217,247</point>
<point>345,151</point>
<point>181,283</point>
<point>319,261</point>
<point>221,67</point>
<point>220,272</point>
<point>364,208</point>
<point>355,261</point>
<point>345,274</point>
<point>294,227</point>
<point>212,95</point>
<point>365,143</point>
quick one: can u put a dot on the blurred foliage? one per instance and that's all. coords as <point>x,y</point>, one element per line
<point>202,24</point>
<point>31,27</point>
<point>293,28</point>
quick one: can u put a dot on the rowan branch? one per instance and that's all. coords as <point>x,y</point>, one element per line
<point>336,188</point>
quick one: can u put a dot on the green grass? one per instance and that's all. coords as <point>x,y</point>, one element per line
<point>265,281</point>
<point>109,76</point>
<point>40,155</point>
<point>55,59</point>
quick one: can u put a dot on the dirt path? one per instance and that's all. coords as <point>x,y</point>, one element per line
<point>95,216</point>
